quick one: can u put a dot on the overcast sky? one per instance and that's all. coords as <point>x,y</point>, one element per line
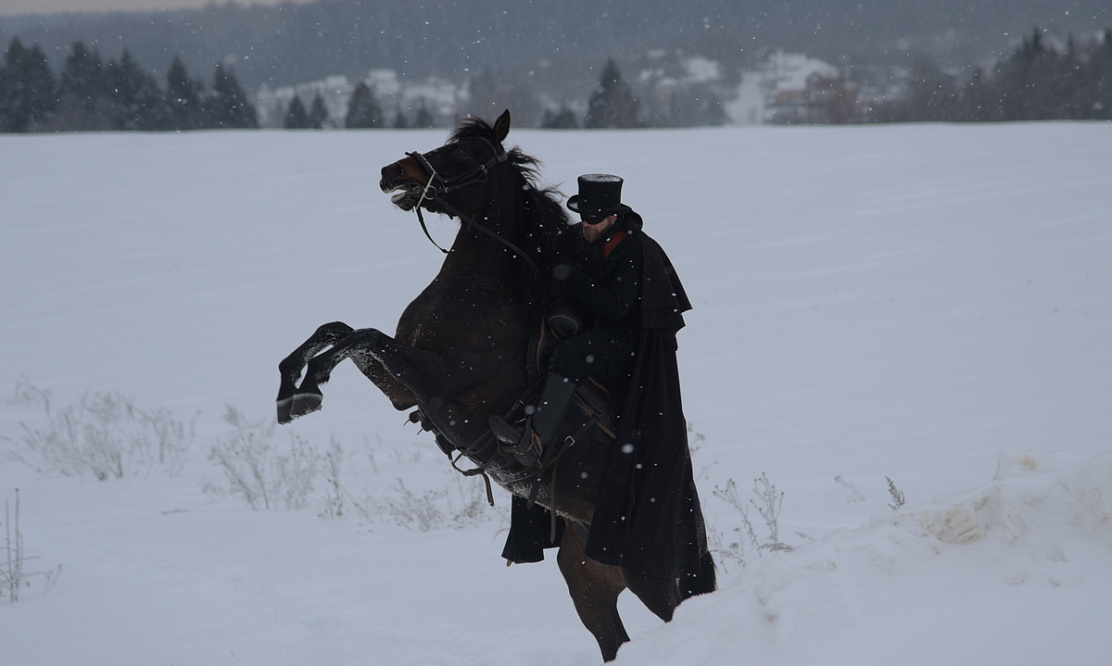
<point>10,7</point>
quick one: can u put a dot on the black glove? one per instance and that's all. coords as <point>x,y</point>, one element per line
<point>563,270</point>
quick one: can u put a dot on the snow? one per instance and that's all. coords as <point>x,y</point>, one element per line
<point>929,304</point>
<point>1014,571</point>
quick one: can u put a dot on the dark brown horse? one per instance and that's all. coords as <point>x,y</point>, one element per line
<point>462,350</point>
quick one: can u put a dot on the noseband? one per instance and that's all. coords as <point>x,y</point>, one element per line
<point>439,186</point>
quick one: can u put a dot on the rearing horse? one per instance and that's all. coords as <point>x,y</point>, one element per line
<point>462,348</point>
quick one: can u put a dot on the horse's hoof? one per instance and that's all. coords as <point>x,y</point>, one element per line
<point>284,415</point>
<point>298,405</point>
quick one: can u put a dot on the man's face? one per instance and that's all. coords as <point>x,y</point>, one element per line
<point>601,229</point>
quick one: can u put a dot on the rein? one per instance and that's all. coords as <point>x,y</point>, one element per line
<point>438,186</point>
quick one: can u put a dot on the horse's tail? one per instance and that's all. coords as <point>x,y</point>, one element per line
<point>701,580</point>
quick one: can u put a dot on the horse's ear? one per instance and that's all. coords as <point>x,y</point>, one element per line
<point>502,127</point>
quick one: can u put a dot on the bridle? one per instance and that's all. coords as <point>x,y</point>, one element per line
<point>438,187</point>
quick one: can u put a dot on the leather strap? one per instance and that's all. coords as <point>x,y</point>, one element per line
<point>614,241</point>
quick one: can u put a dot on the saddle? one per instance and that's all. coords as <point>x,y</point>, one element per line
<point>594,412</point>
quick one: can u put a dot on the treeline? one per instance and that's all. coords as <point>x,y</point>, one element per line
<point>1036,82</point>
<point>93,94</point>
<point>611,105</point>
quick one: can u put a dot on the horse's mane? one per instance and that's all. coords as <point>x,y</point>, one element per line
<point>543,218</point>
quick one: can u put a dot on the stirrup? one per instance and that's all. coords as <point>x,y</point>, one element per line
<point>524,445</point>
<point>504,432</point>
<point>529,448</point>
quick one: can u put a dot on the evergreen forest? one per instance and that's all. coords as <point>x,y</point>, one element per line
<point>1038,81</point>
<point>94,94</point>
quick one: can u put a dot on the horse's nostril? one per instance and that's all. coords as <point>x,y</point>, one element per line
<point>391,171</point>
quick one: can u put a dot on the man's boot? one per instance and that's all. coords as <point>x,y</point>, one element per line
<point>542,426</point>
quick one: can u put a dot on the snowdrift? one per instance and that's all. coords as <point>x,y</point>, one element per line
<point>1014,571</point>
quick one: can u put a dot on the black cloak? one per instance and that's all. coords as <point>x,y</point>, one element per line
<point>647,517</point>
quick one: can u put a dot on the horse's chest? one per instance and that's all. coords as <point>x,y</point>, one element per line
<point>465,319</point>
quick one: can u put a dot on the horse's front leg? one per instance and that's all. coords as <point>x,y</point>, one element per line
<point>366,347</point>
<point>290,367</point>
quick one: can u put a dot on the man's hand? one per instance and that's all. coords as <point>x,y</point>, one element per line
<point>563,270</point>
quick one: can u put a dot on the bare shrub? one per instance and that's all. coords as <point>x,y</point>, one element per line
<point>411,511</point>
<point>334,492</point>
<point>898,499</point>
<point>459,502</point>
<point>458,505</point>
<point>263,474</point>
<point>267,475</point>
<point>767,501</point>
<point>104,434</point>
<point>13,575</point>
<point>855,494</point>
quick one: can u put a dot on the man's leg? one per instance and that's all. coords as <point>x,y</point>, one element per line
<point>573,361</point>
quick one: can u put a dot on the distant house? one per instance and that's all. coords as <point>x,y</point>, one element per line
<point>831,100</point>
<point>791,88</point>
<point>787,107</point>
<point>438,97</point>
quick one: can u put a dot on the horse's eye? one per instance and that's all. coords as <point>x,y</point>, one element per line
<point>461,155</point>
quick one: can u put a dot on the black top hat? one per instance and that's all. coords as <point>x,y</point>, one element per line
<point>599,194</point>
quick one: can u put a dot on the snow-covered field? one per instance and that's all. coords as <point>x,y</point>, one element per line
<point>926,304</point>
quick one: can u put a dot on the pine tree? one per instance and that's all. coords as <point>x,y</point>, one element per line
<point>932,94</point>
<point>1023,81</point>
<point>400,121</point>
<point>228,105</point>
<point>978,104</point>
<point>139,103</point>
<point>562,119</point>
<point>296,115</point>
<point>423,118</point>
<point>363,110</point>
<point>84,93</point>
<point>1066,84</point>
<point>1099,79</point>
<point>612,105</point>
<point>83,76</point>
<point>318,113</point>
<point>27,88</point>
<point>183,98</point>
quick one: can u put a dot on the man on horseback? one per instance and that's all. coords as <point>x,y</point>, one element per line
<point>647,515</point>
<point>600,281</point>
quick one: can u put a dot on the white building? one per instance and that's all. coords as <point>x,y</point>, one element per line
<point>776,90</point>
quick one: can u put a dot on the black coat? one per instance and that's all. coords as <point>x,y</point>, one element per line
<point>647,516</point>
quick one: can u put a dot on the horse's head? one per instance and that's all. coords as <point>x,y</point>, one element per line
<point>453,178</point>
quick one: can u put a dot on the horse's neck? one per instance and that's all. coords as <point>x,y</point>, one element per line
<point>478,256</point>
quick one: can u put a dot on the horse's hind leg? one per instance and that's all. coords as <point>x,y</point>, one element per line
<point>594,588</point>
<point>290,367</point>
